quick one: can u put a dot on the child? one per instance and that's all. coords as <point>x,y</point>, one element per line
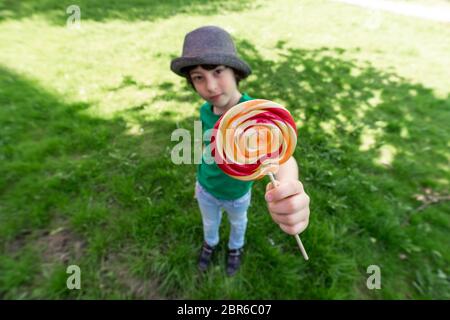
<point>210,64</point>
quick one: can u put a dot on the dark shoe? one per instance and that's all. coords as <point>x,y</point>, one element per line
<point>234,261</point>
<point>205,257</point>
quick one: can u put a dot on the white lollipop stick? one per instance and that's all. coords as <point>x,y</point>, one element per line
<point>299,242</point>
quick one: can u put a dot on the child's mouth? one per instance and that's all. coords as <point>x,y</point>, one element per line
<point>216,97</point>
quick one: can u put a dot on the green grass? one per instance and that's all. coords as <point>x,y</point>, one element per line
<point>86,176</point>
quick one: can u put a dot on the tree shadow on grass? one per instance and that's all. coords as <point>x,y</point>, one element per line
<point>368,140</point>
<point>133,10</point>
<point>64,172</point>
<point>353,105</point>
<point>371,147</point>
<point>344,104</point>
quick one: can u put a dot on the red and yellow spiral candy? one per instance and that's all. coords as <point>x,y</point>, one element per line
<point>253,138</point>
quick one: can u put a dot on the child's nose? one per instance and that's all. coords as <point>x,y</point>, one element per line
<point>211,85</point>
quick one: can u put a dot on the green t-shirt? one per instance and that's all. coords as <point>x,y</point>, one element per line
<point>209,175</point>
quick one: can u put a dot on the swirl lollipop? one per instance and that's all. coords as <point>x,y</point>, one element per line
<point>252,139</point>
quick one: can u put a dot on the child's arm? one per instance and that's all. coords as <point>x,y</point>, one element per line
<point>288,203</point>
<point>288,170</point>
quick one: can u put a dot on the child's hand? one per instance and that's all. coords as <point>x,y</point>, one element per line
<point>288,205</point>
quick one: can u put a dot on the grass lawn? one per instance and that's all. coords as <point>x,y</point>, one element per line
<point>86,176</point>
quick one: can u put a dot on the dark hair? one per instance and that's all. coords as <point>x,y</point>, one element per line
<point>237,75</point>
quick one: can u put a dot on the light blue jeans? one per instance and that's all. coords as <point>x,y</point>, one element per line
<point>211,211</point>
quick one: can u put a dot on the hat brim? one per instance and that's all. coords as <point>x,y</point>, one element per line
<point>220,59</point>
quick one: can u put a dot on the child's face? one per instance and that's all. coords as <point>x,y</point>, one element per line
<point>218,86</point>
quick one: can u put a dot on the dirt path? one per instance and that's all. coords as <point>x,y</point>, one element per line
<point>432,12</point>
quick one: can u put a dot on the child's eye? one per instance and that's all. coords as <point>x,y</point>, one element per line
<point>218,71</point>
<point>197,78</point>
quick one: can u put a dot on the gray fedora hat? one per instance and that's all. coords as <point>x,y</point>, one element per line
<point>209,45</point>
